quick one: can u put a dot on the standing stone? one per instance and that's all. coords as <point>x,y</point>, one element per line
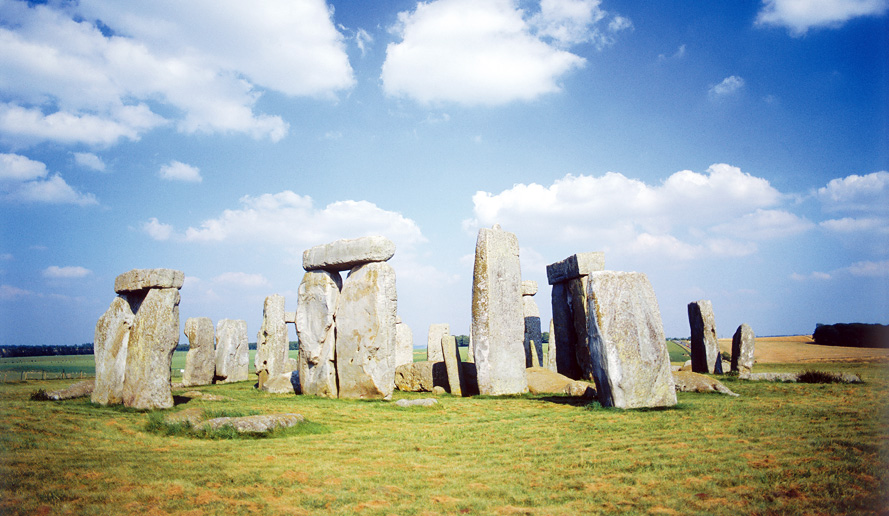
<point>705,357</point>
<point>470,351</point>
<point>319,293</point>
<point>433,341</point>
<point>448,345</point>
<point>404,343</point>
<point>272,345</point>
<point>112,336</point>
<point>579,303</point>
<point>551,348</point>
<point>497,321</point>
<point>629,352</point>
<point>532,324</point>
<point>150,350</point>
<point>344,255</point>
<point>365,338</point>
<point>743,345</point>
<point>232,352</point>
<point>200,361</point>
<point>562,337</point>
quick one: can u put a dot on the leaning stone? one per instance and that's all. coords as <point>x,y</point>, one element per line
<point>404,343</point>
<point>627,344</point>
<point>544,381</point>
<point>113,331</point>
<point>533,335</point>
<point>687,381</point>
<point>142,279</point>
<point>425,402</point>
<point>365,338</point>
<point>580,389</point>
<point>575,266</point>
<point>497,322</point>
<point>433,341</point>
<point>319,293</point>
<point>254,424</point>
<point>743,345</point>
<point>154,338</point>
<point>272,345</point>
<point>562,336</point>
<point>283,383</point>
<point>232,353</point>
<point>535,358</point>
<point>78,390</point>
<point>705,357</point>
<point>200,361</point>
<point>448,346</point>
<point>420,376</point>
<point>344,255</point>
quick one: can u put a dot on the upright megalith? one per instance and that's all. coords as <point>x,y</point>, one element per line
<point>451,355</point>
<point>319,293</point>
<point>630,362</point>
<point>433,341</point>
<point>365,332</point>
<point>551,348</point>
<point>743,346</point>
<point>404,343</point>
<point>232,352</point>
<point>705,357</point>
<point>135,340</point>
<point>533,335</point>
<point>343,255</point>
<point>498,325</point>
<point>569,280</point>
<point>272,344</point>
<point>200,361</point>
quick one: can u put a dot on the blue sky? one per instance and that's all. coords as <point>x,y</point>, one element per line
<point>735,152</point>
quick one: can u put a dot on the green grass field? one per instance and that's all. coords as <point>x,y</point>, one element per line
<point>776,449</point>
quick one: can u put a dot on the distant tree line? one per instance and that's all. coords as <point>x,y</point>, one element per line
<point>858,335</point>
<point>41,351</point>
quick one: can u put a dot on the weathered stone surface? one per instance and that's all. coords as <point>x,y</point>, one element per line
<point>529,287</point>
<point>254,424</point>
<point>206,396</point>
<point>705,356</point>
<point>78,390</point>
<point>575,266</point>
<point>142,279</point>
<point>283,383</point>
<point>344,255</point>
<point>319,293</point>
<point>562,336</point>
<point>532,332</point>
<point>420,376</point>
<point>112,337</point>
<point>200,361</point>
<point>688,381</point>
<point>577,289</point>
<point>365,338</point>
<point>627,345</point>
<point>580,389</point>
<point>551,351</point>
<point>232,353</point>
<point>153,340</point>
<point>743,346</point>
<point>438,390</point>
<point>497,319</point>
<point>433,341</point>
<point>290,317</point>
<point>272,344</point>
<point>404,343</point>
<point>541,381</point>
<point>448,345</point>
<point>425,402</point>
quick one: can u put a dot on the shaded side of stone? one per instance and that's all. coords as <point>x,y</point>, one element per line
<point>562,337</point>
<point>154,338</point>
<point>578,302</point>
<point>200,361</point>
<point>421,376</point>
<point>319,294</point>
<point>704,344</point>
<point>575,266</point>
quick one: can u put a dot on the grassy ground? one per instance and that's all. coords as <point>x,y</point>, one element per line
<point>776,449</point>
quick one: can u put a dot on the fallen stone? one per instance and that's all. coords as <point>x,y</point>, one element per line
<point>743,346</point>
<point>272,344</point>
<point>232,353</point>
<point>425,402</point>
<point>404,343</point>
<point>319,294</point>
<point>575,266</point>
<point>112,337</point>
<point>705,357</point>
<point>627,345</point>
<point>155,335</point>
<point>142,279</point>
<point>254,424</point>
<point>344,255</point>
<point>580,389</point>
<point>421,376</point>
<point>770,377</point>
<point>448,346</point>
<point>498,324</point>
<point>205,396</point>
<point>365,338</point>
<point>433,341</point>
<point>200,361</point>
<point>544,381</point>
<point>438,390</point>
<point>77,390</point>
<point>688,381</point>
<point>283,383</point>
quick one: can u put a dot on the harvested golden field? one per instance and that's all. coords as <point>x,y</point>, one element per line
<point>801,349</point>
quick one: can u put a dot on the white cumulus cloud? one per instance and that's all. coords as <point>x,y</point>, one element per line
<point>55,271</point>
<point>24,180</point>
<point>729,85</point>
<point>798,16</point>
<point>178,171</point>
<point>868,193</point>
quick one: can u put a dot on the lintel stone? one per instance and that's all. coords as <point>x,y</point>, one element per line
<point>142,279</point>
<point>343,255</point>
<point>575,266</point>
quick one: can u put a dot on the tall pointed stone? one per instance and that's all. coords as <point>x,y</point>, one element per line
<point>232,352</point>
<point>319,293</point>
<point>532,324</point>
<point>705,357</point>
<point>433,341</point>
<point>365,339</point>
<point>404,343</point>
<point>497,321</point>
<point>272,344</point>
<point>743,346</point>
<point>200,361</point>
<point>551,348</point>
<point>150,350</point>
<point>629,355</point>
<point>112,336</point>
